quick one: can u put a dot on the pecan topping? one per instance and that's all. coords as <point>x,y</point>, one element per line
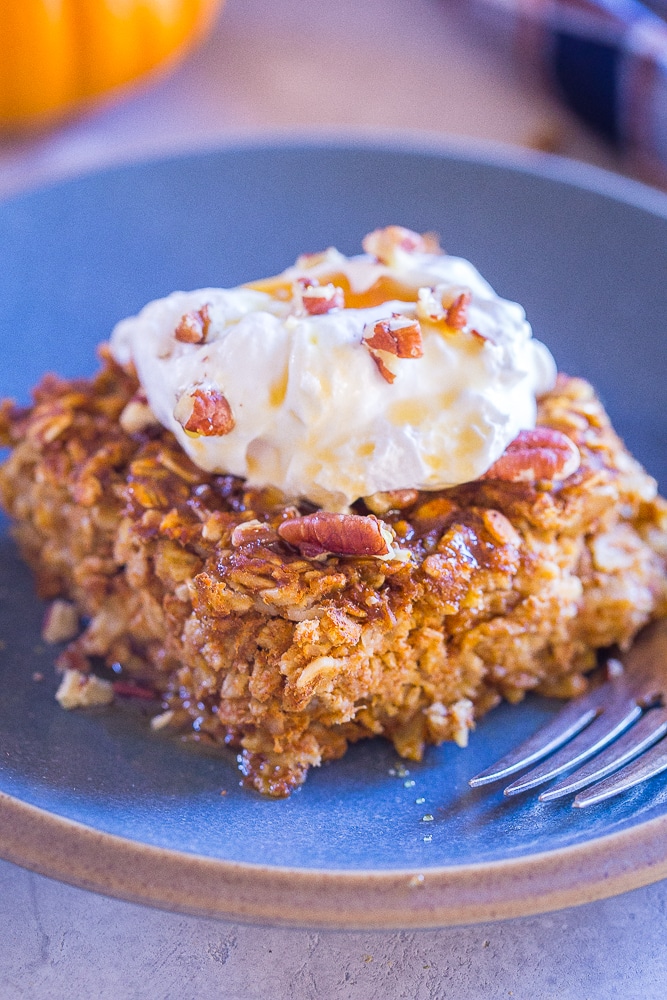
<point>252,532</point>
<point>399,336</point>
<point>386,373</point>
<point>193,326</point>
<point>428,306</point>
<point>501,530</point>
<point>338,534</point>
<point>457,313</point>
<point>384,243</point>
<point>205,412</point>
<point>137,415</point>
<point>317,300</point>
<point>382,503</point>
<point>542,453</point>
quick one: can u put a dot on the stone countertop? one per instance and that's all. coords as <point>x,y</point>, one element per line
<point>275,68</point>
<point>60,943</point>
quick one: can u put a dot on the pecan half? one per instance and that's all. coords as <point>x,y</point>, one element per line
<point>542,453</point>
<point>457,313</point>
<point>205,412</point>
<point>338,534</point>
<point>193,326</point>
<point>397,335</point>
<point>383,243</point>
<point>317,300</point>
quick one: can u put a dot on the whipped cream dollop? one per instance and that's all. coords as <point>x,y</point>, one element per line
<point>343,377</point>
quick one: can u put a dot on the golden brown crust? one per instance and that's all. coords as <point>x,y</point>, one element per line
<point>510,586</point>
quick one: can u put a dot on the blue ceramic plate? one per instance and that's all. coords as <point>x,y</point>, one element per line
<point>96,798</point>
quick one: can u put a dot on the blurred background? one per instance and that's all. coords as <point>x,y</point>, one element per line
<point>582,78</point>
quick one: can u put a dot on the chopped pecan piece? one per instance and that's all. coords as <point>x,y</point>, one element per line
<point>137,415</point>
<point>429,305</point>
<point>338,534</point>
<point>205,412</point>
<point>381,503</point>
<point>399,336</point>
<point>384,243</point>
<point>252,532</point>
<point>457,313</point>
<point>193,326</point>
<point>501,530</point>
<point>317,300</point>
<point>542,453</point>
<point>386,373</point>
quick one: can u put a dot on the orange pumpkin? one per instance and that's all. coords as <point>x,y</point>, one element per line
<point>59,54</point>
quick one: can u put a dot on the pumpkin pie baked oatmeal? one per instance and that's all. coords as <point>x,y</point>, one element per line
<point>349,501</point>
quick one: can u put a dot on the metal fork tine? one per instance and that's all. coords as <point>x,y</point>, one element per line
<point>647,766</point>
<point>566,724</point>
<point>647,731</point>
<point>587,726</point>
<point>620,713</point>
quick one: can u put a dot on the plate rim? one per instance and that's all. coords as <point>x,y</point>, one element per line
<point>419,142</point>
<point>135,871</point>
<point>337,899</point>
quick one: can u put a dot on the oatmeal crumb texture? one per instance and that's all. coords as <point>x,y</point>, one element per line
<point>61,622</point>
<point>193,584</point>
<point>77,690</point>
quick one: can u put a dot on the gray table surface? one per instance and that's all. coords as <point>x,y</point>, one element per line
<point>267,68</point>
<point>62,943</point>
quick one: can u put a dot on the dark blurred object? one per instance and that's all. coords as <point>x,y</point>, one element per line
<point>608,60</point>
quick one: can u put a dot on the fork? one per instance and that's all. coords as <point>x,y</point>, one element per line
<point>615,732</point>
